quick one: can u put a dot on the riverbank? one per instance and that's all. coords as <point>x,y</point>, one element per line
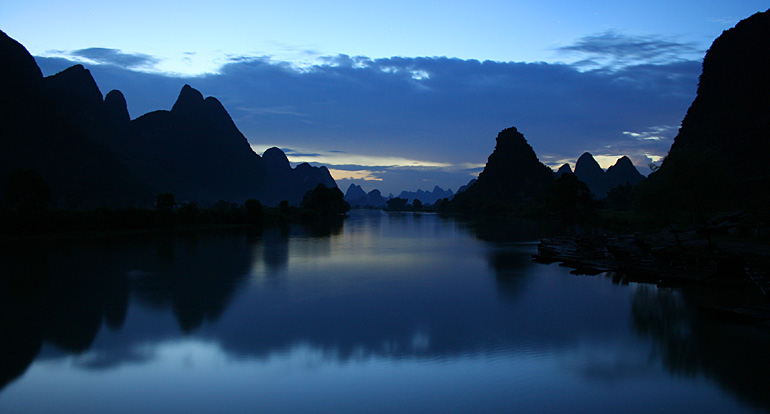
<point>722,264</point>
<point>661,258</point>
<point>64,224</point>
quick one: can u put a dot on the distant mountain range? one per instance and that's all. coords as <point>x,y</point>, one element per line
<point>357,197</point>
<point>92,154</point>
<point>426,197</point>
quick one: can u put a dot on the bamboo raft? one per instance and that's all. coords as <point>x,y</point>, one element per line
<point>745,314</point>
<point>632,258</point>
<point>660,263</point>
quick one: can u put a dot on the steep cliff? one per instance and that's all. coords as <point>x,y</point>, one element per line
<point>717,161</point>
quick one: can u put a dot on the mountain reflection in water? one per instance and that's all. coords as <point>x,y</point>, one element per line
<point>392,295</point>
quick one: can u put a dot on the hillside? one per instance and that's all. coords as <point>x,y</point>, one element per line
<point>716,163</point>
<point>91,154</point>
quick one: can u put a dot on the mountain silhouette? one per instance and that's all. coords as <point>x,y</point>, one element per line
<point>427,197</point>
<point>354,192</point>
<point>375,198</point>
<point>91,153</point>
<point>35,134</point>
<point>600,182</point>
<point>194,151</point>
<point>513,174</point>
<point>564,169</point>
<point>588,171</point>
<point>466,186</point>
<point>357,197</point>
<point>717,161</point>
<point>623,172</point>
<point>294,182</point>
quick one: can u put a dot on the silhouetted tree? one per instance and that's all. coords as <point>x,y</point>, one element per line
<point>440,205</point>
<point>324,200</point>
<point>283,206</point>
<point>227,212</point>
<point>190,212</point>
<point>165,202</point>
<point>417,205</point>
<point>619,198</point>
<point>396,204</point>
<point>254,211</point>
<point>569,199</point>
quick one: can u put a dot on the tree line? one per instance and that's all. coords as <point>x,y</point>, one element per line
<point>26,198</point>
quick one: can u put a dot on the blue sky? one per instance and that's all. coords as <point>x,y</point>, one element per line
<point>400,95</point>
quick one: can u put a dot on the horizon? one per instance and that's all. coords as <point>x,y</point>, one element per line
<point>572,78</point>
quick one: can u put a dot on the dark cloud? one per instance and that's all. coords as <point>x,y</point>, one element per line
<point>440,110</point>
<point>614,49</point>
<point>116,57</point>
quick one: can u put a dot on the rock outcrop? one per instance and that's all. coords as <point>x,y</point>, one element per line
<point>623,172</point>
<point>588,171</point>
<point>600,182</point>
<point>512,175</point>
<point>564,169</point>
<point>717,161</point>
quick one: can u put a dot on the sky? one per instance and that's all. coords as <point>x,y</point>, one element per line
<point>400,95</point>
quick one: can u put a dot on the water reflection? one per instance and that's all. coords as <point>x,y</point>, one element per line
<point>275,250</point>
<point>62,298</point>
<point>689,345</point>
<point>511,265</point>
<point>193,276</point>
<point>62,292</point>
<point>401,288</point>
<point>503,230</point>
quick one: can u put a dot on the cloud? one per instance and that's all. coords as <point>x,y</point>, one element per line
<point>655,133</point>
<point>362,114</point>
<point>614,50</point>
<point>341,158</point>
<point>278,110</point>
<point>116,57</point>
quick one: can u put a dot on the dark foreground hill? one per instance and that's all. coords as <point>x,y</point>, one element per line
<point>91,154</point>
<point>34,134</point>
<point>718,160</point>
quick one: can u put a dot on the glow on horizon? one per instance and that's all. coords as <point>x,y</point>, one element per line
<point>364,175</point>
<point>607,161</point>
<point>344,158</point>
<point>604,161</point>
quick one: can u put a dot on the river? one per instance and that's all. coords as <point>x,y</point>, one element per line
<point>381,312</point>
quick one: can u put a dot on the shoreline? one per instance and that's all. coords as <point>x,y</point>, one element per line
<point>725,264</point>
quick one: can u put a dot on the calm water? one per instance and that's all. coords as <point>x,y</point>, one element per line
<point>384,313</point>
